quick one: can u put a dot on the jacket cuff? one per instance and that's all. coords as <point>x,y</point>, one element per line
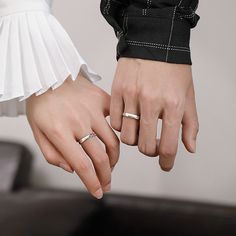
<point>155,38</point>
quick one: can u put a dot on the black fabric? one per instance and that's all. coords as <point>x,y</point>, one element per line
<point>136,216</point>
<point>44,212</point>
<point>152,29</point>
<point>38,212</point>
<point>15,166</point>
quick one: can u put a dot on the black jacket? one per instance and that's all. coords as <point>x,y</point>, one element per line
<point>152,29</point>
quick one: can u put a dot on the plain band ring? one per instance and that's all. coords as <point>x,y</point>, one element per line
<point>87,137</point>
<point>132,116</point>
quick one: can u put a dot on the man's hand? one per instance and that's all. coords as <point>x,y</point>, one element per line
<point>155,90</point>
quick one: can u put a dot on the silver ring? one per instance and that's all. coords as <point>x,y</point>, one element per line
<point>87,137</point>
<point>132,116</point>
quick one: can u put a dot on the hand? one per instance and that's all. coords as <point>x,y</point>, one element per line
<point>61,117</point>
<point>154,90</point>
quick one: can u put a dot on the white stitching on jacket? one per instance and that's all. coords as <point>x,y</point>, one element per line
<point>149,3</point>
<point>107,7</point>
<point>144,12</point>
<point>180,3</point>
<point>171,32</point>
<point>189,16</point>
<point>159,47</point>
<point>157,44</point>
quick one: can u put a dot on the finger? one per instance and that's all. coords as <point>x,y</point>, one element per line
<point>190,125</point>
<point>147,143</point>
<point>73,153</point>
<point>169,138</point>
<point>106,103</point>
<point>130,127</point>
<point>100,160</point>
<point>109,138</point>
<point>116,109</point>
<point>50,152</point>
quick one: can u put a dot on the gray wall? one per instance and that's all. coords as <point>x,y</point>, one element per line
<point>209,175</point>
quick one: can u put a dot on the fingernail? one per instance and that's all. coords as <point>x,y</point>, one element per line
<point>98,194</point>
<point>66,167</point>
<point>107,188</point>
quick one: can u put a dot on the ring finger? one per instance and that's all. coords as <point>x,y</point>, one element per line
<point>100,159</point>
<point>77,159</point>
<point>130,126</point>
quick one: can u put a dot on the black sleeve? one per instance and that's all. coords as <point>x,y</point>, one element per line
<point>152,29</point>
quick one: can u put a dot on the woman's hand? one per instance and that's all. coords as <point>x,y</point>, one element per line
<point>60,118</point>
<point>152,90</point>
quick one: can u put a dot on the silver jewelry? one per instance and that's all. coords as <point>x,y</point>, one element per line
<point>87,137</point>
<point>132,116</point>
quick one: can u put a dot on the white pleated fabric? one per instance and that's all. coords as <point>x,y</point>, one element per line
<point>36,54</point>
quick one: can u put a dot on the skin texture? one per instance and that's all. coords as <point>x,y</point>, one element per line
<point>61,117</point>
<point>155,90</point>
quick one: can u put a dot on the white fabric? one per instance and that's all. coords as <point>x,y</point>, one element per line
<point>36,53</point>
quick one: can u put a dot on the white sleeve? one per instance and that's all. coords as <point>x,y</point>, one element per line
<point>36,54</point>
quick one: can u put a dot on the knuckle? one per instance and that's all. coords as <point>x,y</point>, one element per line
<point>147,97</point>
<point>130,91</point>
<point>114,144</point>
<point>167,153</point>
<point>101,160</point>
<point>151,152</point>
<point>50,158</point>
<point>66,104</point>
<point>83,166</point>
<point>116,90</point>
<point>75,119</point>
<point>56,129</point>
<point>81,123</point>
<point>174,103</point>
<point>131,141</point>
<point>196,126</point>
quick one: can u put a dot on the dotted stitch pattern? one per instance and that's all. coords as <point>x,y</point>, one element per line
<point>157,44</point>
<point>159,47</point>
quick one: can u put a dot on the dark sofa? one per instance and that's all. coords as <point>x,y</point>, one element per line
<point>27,211</point>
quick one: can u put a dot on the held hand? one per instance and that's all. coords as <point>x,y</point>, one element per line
<point>154,90</point>
<point>60,118</point>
